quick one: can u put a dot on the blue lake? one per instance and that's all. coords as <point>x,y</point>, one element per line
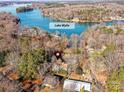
<point>36,19</point>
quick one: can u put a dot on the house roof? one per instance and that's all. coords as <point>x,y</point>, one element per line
<point>76,86</point>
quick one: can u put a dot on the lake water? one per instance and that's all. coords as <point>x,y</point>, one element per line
<point>36,19</point>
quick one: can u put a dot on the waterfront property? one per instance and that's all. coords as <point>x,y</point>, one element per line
<point>35,60</point>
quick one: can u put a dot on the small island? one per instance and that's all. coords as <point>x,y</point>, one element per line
<point>24,9</point>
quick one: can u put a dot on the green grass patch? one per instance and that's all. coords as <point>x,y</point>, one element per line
<point>62,71</point>
<point>115,79</point>
<point>107,30</point>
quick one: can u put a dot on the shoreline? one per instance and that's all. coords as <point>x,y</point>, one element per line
<point>83,13</point>
<point>80,22</point>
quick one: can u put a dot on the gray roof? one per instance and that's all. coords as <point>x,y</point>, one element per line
<point>76,86</point>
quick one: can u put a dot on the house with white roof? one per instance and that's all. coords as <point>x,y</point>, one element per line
<point>76,86</point>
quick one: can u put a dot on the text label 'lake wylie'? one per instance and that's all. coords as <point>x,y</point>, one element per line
<point>61,25</point>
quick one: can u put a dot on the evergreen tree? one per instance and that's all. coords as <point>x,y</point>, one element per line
<point>29,63</point>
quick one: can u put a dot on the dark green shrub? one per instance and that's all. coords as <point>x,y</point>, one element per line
<point>3,55</point>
